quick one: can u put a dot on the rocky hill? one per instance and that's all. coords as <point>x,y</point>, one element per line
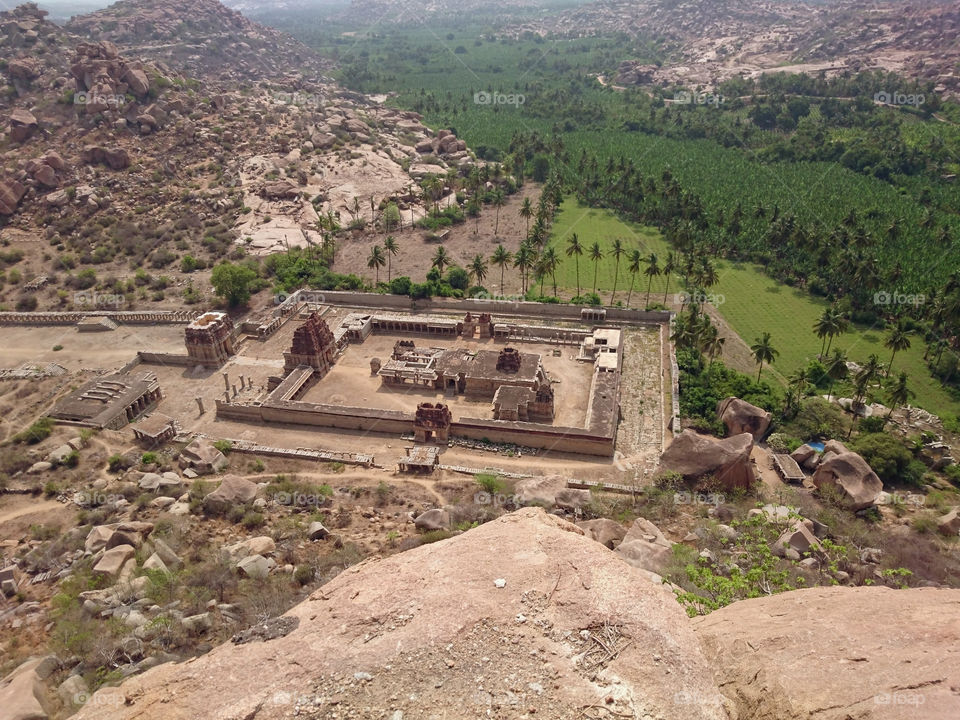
<point>203,37</point>
<point>526,617</point>
<point>197,128</point>
<point>707,42</point>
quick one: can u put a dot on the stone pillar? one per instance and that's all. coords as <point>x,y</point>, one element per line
<point>226,381</point>
<point>200,404</point>
<point>226,396</point>
<point>243,384</point>
<point>234,390</point>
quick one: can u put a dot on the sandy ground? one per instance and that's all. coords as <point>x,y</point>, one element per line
<point>462,243</point>
<point>89,349</point>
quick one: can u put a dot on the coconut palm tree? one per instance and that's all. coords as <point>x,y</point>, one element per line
<point>501,258</point>
<point>498,202</point>
<point>575,249</point>
<point>669,267</point>
<point>618,251</point>
<point>478,269</point>
<point>524,261</point>
<point>634,261</point>
<point>526,212</point>
<point>596,254</point>
<point>653,270</point>
<point>540,271</point>
<point>763,352</point>
<point>440,259</point>
<point>390,245</point>
<point>897,340</point>
<point>551,261</point>
<point>836,369</point>
<point>899,394</point>
<point>376,260</point>
<point>799,382</point>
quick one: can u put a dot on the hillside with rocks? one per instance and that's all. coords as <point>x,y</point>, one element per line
<point>526,617</point>
<point>135,138</point>
<point>709,42</point>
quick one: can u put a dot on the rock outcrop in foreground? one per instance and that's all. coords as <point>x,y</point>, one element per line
<point>428,633</point>
<point>526,616</point>
<point>839,653</point>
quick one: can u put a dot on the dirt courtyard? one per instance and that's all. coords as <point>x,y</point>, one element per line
<point>350,382</point>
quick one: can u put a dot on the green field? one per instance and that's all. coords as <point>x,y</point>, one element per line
<point>593,225</point>
<point>750,301</point>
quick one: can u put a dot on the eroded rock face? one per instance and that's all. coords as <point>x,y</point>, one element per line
<point>696,456</point>
<point>850,474</point>
<point>838,653</point>
<point>739,416</point>
<point>552,572</point>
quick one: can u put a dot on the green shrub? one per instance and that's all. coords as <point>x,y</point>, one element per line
<point>304,574</point>
<point>38,432</point>
<point>224,446</point>
<point>252,520</point>
<point>148,458</point>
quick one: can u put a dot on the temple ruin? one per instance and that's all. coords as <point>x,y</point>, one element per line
<point>209,339</point>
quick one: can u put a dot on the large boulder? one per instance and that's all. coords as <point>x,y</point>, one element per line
<point>22,125</point>
<point>21,693</point>
<point>202,457</point>
<point>848,473</point>
<point>739,416</point>
<point>113,560</point>
<point>232,491</point>
<point>436,519</point>
<point>803,454</point>
<point>369,642</point>
<point>695,456</point>
<point>644,546</point>
<point>821,653</point>
<point>549,491</point>
<point>949,524</point>
<point>11,192</point>
<point>604,531</point>
<point>262,545</point>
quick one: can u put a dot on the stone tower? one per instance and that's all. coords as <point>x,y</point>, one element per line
<point>209,339</point>
<point>313,345</point>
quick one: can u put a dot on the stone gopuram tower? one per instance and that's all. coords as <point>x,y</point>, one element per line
<point>313,345</point>
<point>432,422</point>
<point>209,339</point>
